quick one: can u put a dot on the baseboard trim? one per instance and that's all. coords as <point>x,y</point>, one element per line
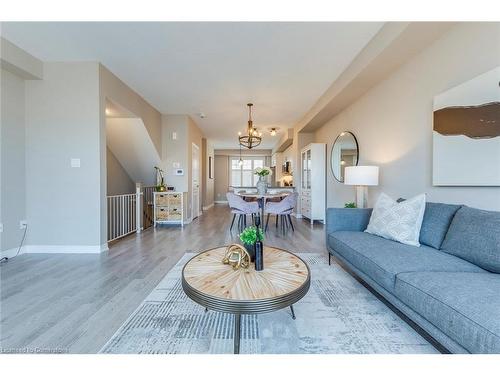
<point>10,253</point>
<point>63,249</point>
<point>220,202</point>
<point>208,207</point>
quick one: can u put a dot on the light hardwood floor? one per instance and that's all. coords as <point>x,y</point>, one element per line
<point>75,303</point>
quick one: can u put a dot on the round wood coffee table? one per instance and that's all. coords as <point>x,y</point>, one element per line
<point>284,280</point>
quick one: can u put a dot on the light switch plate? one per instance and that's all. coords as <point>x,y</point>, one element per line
<point>75,163</point>
<point>174,136</point>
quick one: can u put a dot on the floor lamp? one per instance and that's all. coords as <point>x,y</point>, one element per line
<point>361,177</point>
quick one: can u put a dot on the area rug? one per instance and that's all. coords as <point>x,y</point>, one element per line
<point>338,315</point>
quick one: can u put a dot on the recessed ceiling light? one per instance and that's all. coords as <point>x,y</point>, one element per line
<point>108,111</point>
<point>202,115</point>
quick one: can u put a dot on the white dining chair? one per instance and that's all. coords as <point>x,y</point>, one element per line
<point>241,208</point>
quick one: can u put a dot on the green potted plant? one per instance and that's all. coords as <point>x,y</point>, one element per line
<point>160,181</point>
<point>249,237</point>
<point>350,205</point>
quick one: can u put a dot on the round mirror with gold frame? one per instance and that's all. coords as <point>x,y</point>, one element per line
<point>345,153</point>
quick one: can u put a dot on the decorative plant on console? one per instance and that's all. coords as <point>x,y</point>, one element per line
<point>262,183</point>
<point>249,237</point>
<point>160,181</point>
<point>350,205</point>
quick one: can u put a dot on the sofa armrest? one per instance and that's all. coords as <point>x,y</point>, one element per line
<point>348,219</point>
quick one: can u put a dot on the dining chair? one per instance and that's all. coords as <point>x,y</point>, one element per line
<point>241,208</point>
<point>282,210</point>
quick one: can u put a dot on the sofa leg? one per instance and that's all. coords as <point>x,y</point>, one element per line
<point>329,259</point>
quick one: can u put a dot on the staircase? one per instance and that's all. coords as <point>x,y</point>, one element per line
<point>148,206</point>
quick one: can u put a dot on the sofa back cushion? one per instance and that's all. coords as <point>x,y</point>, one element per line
<point>474,235</point>
<point>437,220</point>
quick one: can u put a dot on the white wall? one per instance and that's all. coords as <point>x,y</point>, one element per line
<point>175,150</point>
<point>208,183</point>
<point>393,121</point>
<point>221,176</point>
<point>179,151</point>
<point>118,180</point>
<point>130,143</point>
<point>12,166</point>
<point>195,136</point>
<point>63,122</point>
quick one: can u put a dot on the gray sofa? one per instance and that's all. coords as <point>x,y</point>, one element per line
<point>449,286</point>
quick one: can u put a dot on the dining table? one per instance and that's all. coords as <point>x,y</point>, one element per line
<point>261,199</point>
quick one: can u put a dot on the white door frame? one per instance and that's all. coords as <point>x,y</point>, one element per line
<point>195,208</point>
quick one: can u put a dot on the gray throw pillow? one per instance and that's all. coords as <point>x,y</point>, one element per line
<point>474,235</point>
<point>437,220</point>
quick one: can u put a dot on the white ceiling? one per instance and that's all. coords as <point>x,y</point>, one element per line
<point>214,68</point>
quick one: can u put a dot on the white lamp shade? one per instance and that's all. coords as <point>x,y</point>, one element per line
<point>366,175</point>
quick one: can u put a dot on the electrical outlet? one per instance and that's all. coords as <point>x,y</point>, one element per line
<point>23,224</point>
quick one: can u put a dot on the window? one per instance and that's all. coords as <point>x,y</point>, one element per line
<point>243,175</point>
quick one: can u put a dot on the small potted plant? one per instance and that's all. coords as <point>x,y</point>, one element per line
<point>262,184</point>
<point>350,205</point>
<point>249,237</point>
<point>160,181</point>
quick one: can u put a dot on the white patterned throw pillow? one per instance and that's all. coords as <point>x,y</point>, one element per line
<point>400,222</point>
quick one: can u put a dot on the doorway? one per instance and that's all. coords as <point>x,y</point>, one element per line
<point>195,182</point>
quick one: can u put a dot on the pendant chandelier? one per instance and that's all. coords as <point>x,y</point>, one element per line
<point>253,137</point>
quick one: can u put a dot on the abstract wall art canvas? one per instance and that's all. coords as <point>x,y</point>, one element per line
<point>466,133</point>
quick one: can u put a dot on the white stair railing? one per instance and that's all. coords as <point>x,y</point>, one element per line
<point>124,214</point>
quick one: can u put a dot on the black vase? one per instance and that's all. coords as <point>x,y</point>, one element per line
<point>251,251</point>
<point>259,256</point>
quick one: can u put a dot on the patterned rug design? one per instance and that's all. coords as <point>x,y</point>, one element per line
<point>338,315</point>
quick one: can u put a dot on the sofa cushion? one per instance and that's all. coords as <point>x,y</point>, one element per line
<point>465,306</point>
<point>383,259</point>
<point>474,235</point>
<point>437,220</point>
